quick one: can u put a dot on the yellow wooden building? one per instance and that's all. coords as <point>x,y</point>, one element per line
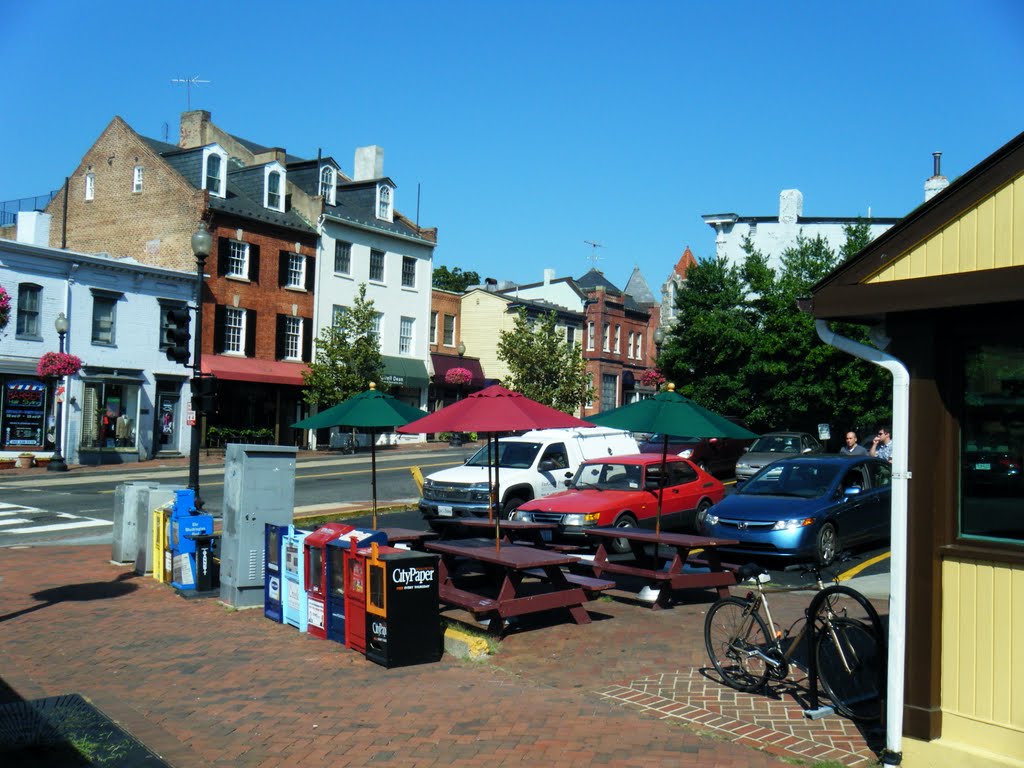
<point>946,286</point>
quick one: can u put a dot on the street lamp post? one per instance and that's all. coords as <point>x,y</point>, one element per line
<point>456,439</point>
<point>57,463</point>
<point>202,242</point>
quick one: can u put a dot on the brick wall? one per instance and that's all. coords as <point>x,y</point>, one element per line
<point>446,303</point>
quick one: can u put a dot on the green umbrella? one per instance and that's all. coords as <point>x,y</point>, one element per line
<point>370,410</point>
<point>669,413</point>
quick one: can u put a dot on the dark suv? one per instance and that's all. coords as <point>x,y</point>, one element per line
<point>715,455</point>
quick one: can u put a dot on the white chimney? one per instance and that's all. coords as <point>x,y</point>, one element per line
<point>549,275</point>
<point>369,163</point>
<point>791,206</point>
<point>33,228</point>
<point>937,182</point>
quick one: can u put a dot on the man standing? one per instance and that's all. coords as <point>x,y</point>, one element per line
<point>881,446</point>
<point>852,447</point>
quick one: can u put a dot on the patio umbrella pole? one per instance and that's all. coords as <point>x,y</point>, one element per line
<point>373,474</point>
<point>497,493</point>
<point>661,483</point>
<point>490,482</point>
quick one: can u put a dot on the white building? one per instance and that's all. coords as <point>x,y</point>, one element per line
<point>127,403</point>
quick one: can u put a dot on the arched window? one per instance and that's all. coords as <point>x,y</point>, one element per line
<point>384,202</point>
<point>213,171</point>
<point>327,184</point>
<point>274,190</point>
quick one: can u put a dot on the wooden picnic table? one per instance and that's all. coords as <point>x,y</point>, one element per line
<point>412,537</point>
<point>537,534</point>
<point>518,580</point>
<point>665,560</point>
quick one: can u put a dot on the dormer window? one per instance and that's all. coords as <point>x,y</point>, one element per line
<point>273,187</point>
<point>384,210</point>
<point>215,168</point>
<point>328,184</point>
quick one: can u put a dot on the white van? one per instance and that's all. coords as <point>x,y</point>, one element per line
<point>531,465</point>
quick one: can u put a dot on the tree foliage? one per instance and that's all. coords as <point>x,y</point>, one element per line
<point>454,280</point>
<point>347,356</point>
<point>542,365</point>
<point>742,347</point>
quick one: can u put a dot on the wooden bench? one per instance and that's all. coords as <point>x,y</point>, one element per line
<point>468,601</point>
<point>588,584</point>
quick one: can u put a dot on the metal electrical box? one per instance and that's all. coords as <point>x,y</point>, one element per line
<point>259,488</point>
<point>134,503</point>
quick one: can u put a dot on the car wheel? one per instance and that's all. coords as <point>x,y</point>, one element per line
<point>621,546</point>
<point>702,511</point>
<point>511,505</point>
<point>827,544</point>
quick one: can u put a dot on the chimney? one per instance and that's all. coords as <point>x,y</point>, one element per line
<point>937,182</point>
<point>791,206</point>
<point>490,285</point>
<point>33,228</point>
<point>273,153</point>
<point>369,163</point>
<point>195,129</point>
<point>549,275</point>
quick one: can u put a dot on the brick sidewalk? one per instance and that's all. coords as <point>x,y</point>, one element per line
<point>202,684</point>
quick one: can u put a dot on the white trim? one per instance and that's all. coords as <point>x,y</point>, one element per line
<point>241,335</point>
<point>298,343</point>
<point>268,170</point>
<point>90,186</point>
<point>137,178</point>
<point>222,181</point>
<point>331,184</point>
<point>385,202</point>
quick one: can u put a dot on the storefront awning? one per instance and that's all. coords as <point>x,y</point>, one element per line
<point>443,363</point>
<point>405,372</point>
<point>251,369</point>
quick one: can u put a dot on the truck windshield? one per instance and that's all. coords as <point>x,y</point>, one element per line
<point>511,455</point>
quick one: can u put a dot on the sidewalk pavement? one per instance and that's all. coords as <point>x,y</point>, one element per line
<point>202,684</point>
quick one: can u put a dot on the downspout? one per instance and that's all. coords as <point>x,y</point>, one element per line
<point>892,754</point>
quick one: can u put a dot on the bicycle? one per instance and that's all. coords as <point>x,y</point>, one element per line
<point>848,651</point>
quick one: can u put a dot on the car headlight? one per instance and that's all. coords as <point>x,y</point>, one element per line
<point>788,525</point>
<point>742,465</point>
<point>687,453</point>
<point>525,516</point>
<point>427,483</point>
<point>711,519</point>
<point>580,521</point>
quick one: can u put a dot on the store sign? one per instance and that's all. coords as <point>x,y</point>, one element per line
<point>24,413</point>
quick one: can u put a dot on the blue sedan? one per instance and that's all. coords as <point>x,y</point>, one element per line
<point>803,507</point>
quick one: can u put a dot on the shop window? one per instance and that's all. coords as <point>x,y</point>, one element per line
<point>108,415</point>
<point>26,415</point>
<point>992,443</point>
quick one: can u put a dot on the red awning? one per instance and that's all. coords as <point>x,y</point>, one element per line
<point>251,369</point>
<point>443,363</point>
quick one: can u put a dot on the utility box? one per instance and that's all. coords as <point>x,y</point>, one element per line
<point>148,499</point>
<point>259,488</point>
<point>126,524</point>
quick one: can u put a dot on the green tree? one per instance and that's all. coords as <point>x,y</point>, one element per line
<point>542,365</point>
<point>347,356</point>
<point>858,235</point>
<point>454,280</point>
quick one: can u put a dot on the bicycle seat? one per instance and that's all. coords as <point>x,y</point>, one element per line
<point>752,572</point>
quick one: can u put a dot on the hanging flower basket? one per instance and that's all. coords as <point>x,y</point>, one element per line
<point>5,307</point>
<point>458,377</point>
<point>58,364</point>
<point>652,377</point>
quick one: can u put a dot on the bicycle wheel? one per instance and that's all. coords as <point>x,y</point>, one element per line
<point>734,637</point>
<point>849,668</point>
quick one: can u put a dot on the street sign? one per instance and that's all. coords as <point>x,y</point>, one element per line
<point>823,432</point>
<point>190,418</point>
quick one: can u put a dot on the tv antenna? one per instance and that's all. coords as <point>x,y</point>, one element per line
<point>594,245</point>
<point>189,82</point>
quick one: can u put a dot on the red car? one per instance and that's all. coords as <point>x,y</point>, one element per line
<point>623,491</point>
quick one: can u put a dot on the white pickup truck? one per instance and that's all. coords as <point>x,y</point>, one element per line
<point>530,466</point>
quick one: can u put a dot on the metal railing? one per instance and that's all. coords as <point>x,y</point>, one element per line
<point>9,209</point>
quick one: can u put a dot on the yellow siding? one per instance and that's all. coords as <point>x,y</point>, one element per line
<point>988,236</point>
<point>484,316</point>
<point>983,655</point>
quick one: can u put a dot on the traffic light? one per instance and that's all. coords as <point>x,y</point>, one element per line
<point>204,392</point>
<point>178,319</point>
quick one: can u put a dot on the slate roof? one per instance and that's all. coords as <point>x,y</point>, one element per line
<point>256,149</point>
<point>637,287</point>
<point>357,203</point>
<point>594,278</point>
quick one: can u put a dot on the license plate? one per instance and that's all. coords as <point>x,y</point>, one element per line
<point>444,510</point>
<point>545,535</point>
<point>985,466</point>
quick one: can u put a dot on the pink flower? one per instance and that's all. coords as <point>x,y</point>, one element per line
<point>58,364</point>
<point>5,307</point>
<point>458,376</point>
<point>652,377</point>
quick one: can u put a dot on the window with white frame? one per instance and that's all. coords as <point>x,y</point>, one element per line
<point>405,332</point>
<point>570,336</point>
<point>606,343</point>
<point>629,349</point>
<point>449,331</point>
<point>618,339</point>
<point>377,266</point>
<point>337,313</point>
<point>433,327</point>
<point>384,202</point>
<point>293,338</point>
<point>328,184</point>
<point>639,346</point>
<point>590,337</point>
<point>215,168</point>
<point>590,387</point>
<point>104,317</point>
<point>273,187</point>
<point>296,271</point>
<point>378,321</point>
<point>137,178</point>
<point>90,186</point>
<point>238,259</point>
<point>408,272</point>
<point>342,257</point>
<point>29,302</point>
<point>234,330</point>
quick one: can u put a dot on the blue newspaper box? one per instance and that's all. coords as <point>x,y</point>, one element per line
<point>338,552</point>
<point>294,603</point>
<point>274,541</point>
<point>185,527</point>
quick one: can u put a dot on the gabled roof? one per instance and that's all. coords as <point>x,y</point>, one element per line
<point>845,292</point>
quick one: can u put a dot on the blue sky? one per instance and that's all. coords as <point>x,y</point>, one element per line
<point>531,127</point>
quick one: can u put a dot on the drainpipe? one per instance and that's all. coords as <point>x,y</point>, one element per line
<point>892,754</point>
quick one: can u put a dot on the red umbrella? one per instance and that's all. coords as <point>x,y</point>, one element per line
<point>492,410</point>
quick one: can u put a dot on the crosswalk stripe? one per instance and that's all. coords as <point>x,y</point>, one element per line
<point>15,521</point>
<point>60,526</point>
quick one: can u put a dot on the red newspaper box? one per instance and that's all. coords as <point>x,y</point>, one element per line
<point>316,574</point>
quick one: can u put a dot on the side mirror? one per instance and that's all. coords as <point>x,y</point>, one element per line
<point>746,448</point>
<point>547,465</point>
<point>851,491</point>
<point>807,450</point>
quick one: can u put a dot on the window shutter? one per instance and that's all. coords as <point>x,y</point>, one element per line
<point>250,333</point>
<point>282,268</point>
<point>279,338</point>
<point>307,339</point>
<point>254,263</point>
<point>218,328</point>
<point>223,252</point>
<point>310,273</point>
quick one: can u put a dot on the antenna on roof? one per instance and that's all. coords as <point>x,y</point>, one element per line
<point>594,258</point>
<point>166,129</point>
<point>189,82</point>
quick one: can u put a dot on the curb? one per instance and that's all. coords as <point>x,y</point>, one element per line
<point>463,645</point>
